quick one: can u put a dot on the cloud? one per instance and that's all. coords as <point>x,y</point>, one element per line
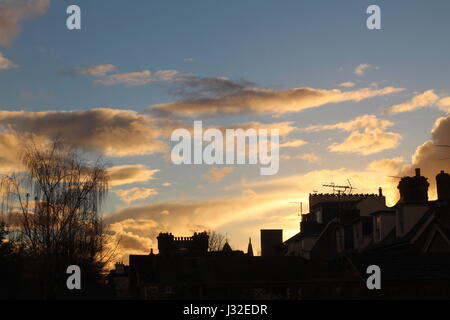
<point>388,166</point>
<point>347,84</point>
<point>363,67</point>
<point>187,85</point>
<point>284,128</point>
<point>368,142</point>
<point>112,132</point>
<point>258,205</point>
<point>293,143</point>
<point>265,203</point>
<point>132,194</point>
<point>130,236</point>
<point>14,12</point>
<point>126,174</point>
<point>362,122</point>
<point>444,104</point>
<point>10,161</point>
<point>130,79</point>
<point>216,175</point>
<point>248,192</point>
<point>372,139</point>
<point>309,157</point>
<point>167,184</point>
<point>266,101</point>
<point>5,63</point>
<point>138,78</point>
<point>93,71</point>
<point>426,99</point>
<point>195,87</point>
<point>432,156</point>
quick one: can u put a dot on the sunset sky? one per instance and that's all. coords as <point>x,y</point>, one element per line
<point>350,103</point>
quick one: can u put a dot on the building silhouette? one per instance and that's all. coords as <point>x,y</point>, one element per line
<point>339,238</point>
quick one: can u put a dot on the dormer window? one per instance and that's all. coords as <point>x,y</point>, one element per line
<point>319,216</point>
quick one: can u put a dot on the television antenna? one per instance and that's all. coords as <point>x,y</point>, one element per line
<point>340,189</point>
<point>300,209</point>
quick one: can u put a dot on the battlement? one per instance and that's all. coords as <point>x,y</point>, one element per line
<point>196,244</point>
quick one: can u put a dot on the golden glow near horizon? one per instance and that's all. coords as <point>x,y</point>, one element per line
<point>350,103</point>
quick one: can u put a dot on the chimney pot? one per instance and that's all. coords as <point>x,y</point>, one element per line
<point>417,172</point>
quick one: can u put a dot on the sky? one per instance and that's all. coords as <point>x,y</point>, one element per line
<point>350,103</point>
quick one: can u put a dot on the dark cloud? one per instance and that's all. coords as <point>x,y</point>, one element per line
<point>190,86</point>
<point>109,131</point>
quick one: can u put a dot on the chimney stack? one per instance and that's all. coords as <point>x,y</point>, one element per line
<point>443,186</point>
<point>414,189</point>
<point>380,192</point>
<point>271,242</point>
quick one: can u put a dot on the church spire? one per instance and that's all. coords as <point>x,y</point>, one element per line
<point>250,248</point>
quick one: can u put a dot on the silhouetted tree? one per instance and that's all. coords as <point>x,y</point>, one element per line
<point>216,241</point>
<point>4,246</point>
<point>60,225</point>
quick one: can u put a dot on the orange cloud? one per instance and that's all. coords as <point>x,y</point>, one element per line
<point>368,142</point>
<point>444,104</point>
<point>391,166</point>
<point>363,67</point>
<point>13,12</point>
<point>309,157</point>
<point>284,128</point>
<point>10,161</point>
<point>261,101</point>
<point>217,175</point>
<point>433,155</point>
<point>132,194</point>
<point>426,99</point>
<point>257,205</point>
<point>362,122</point>
<point>293,143</point>
<point>132,173</point>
